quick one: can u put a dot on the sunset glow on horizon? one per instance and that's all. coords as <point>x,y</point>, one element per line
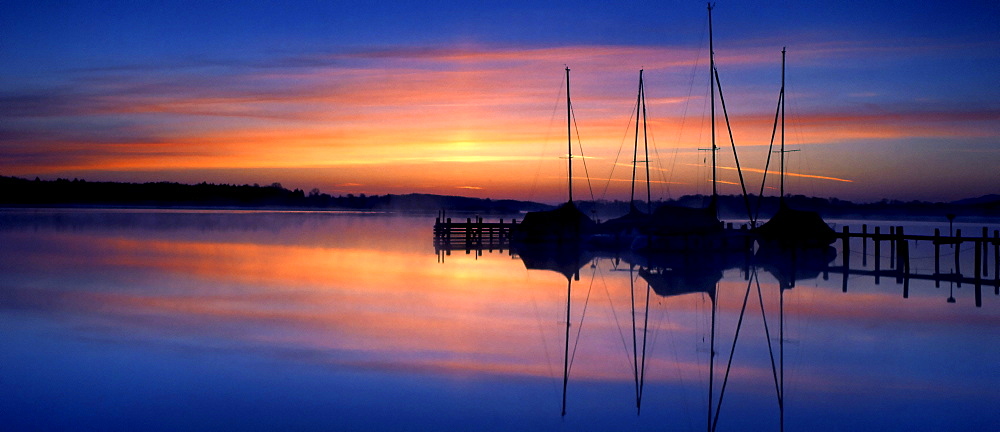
<point>434,98</point>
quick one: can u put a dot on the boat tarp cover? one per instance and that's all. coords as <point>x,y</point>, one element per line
<point>797,227</point>
<point>565,222</point>
<point>669,220</point>
<point>635,219</point>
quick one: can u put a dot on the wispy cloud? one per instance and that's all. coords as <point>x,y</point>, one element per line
<point>471,104</point>
<point>789,174</point>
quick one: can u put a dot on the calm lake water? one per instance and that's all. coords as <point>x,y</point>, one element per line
<point>216,320</point>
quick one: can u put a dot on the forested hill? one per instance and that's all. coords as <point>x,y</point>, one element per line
<point>40,193</point>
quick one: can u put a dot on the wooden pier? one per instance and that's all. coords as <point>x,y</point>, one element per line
<point>899,257</point>
<point>472,234</point>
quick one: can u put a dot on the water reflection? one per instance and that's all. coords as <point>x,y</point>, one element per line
<point>270,320</point>
<point>704,275</point>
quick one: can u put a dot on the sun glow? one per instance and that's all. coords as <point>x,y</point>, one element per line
<point>428,113</point>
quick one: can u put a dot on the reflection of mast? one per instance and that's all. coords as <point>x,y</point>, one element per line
<point>713,420</point>
<point>711,356</point>
<point>565,259</point>
<point>638,366</point>
<point>781,356</point>
<point>569,290</point>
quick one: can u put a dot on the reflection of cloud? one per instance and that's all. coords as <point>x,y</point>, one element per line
<point>358,306</point>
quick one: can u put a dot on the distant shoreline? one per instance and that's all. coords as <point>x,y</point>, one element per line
<point>80,194</point>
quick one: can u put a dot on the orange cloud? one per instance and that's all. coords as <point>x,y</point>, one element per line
<point>497,108</point>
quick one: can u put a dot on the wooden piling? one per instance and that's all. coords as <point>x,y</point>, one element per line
<point>892,247</point>
<point>958,249</point>
<point>897,246</point>
<point>878,249</point>
<point>864,245</point>
<point>937,257</point>
<point>996,261</point>
<point>903,251</point>
<point>977,264</point>
<point>903,261</point>
<point>986,251</point>
<point>846,247</point>
<point>847,257</point>
<point>978,277</point>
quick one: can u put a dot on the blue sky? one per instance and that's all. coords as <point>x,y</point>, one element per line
<point>897,97</point>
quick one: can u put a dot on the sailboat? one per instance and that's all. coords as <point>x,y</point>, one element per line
<point>622,230</point>
<point>674,227</point>
<point>791,228</point>
<point>566,223</point>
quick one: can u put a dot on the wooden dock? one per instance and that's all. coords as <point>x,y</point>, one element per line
<point>899,257</point>
<point>472,234</point>
<point>476,235</point>
<point>899,248</point>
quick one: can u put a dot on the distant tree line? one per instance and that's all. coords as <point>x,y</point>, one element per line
<point>16,191</point>
<point>734,206</point>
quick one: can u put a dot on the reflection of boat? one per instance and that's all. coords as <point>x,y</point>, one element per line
<point>564,258</point>
<point>790,227</point>
<point>789,265</point>
<point>565,223</point>
<point>675,274</point>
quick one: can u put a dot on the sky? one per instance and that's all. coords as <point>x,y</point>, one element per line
<point>893,100</point>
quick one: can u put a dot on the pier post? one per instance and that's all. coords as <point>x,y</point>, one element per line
<point>906,287</point>
<point>996,261</point>
<point>896,258</point>
<point>864,245</point>
<point>479,230</point>
<point>937,258</point>
<point>846,248</point>
<point>847,257</point>
<point>877,238</point>
<point>892,247</point>
<point>499,237</point>
<point>978,275</point>
<point>977,264</point>
<point>986,252</point>
<point>903,261</point>
<point>468,236</point>
<point>958,248</point>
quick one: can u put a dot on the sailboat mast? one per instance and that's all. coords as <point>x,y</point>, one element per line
<point>645,144</point>
<point>635,147</point>
<point>782,97</point>
<point>569,138</point>
<point>711,79</point>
